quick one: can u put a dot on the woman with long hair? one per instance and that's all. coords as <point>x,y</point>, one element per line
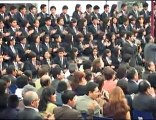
<point>47,100</point>
<point>117,107</point>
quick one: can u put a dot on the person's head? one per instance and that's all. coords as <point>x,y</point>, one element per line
<point>60,52</point>
<point>43,71</point>
<point>46,38</point>
<point>31,99</point>
<point>28,73</point>
<point>13,101</point>
<point>62,86</point>
<point>23,39</point>
<point>123,84</point>
<point>124,6</point>
<point>107,53</point>
<point>126,58</point>
<point>32,56</point>
<point>78,7</point>
<point>73,22</point>
<point>121,72</point>
<point>114,20</point>
<point>7,80</point>
<point>113,8</point>
<point>53,9</point>
<point>140,19</point>
<point>150,66</point>
<point>2,8</point>
<point>60,21</point>
<point>116,95</point>
<point>95,20</point>
<point>135,6</point>
<point>57,73</point>
<point>27,88</point>
<point>13,22</point>
<point>33,9</point>
<point>11,40</point>
<point>36,23</point>
<point>100,81</point>
<point>45,80</point>
<point>47,21</point>
<point>47,55</point>
<point>43,8</point>
<point>97,65</point>
<point>109,73</point>
<point>96,9</point>
<point>11,70</point>
<point>74,52</point>
<point>95,51</point>
<point>145,6</point>
<point>65,9</point>
<point>80,37</point>
<point>144,86</point>
<point>22,9</point>
<point>106,8</point>
<point>132,74</point>
<point>140,70</point>
<point>36,38</point>
<point>68,97</point>
<point>58,38</point>
<point>21,81</point>
<point>88,75</point>
<point>89,8</point>
<point>92,90</point>
<point>151,79</point>
<point>72,67</point>
<point>13,9</point>
<point>125,21</point>
<point>87,64</point>
<point>1,24</point>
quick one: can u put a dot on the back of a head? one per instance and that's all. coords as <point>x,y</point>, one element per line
<point>143,86</point>
<point>123,84</point>
<point>56,71</point>
<point>151,79</point>
<point>87,64</point>
<point>67,95</point>
<point>131,73</point>
<point>22,81</point>
<point>27,88</point>
<point>45,80</point>
<point>108,73</point>
<point>72,67</point>
<point>13,101</point>
<point>62,86</point>
<point>90,87</point>
<point>10,69</point>
<point>42,71</point>
<point>29,97</point>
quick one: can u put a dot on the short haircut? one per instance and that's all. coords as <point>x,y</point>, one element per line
<point>61,49</point>
<point>105,6</point>
<point>10,69</point>
<point>143,86</point>
<point>64,7</point>
<point>130,73</point>
<point>87,64</point>
<point>6,78</point>
<point>145,4</point>
<point>90,87</point>
<point>31,7</point>
<point>108,73</point>
<point>2,5</point>
<point>21,7</point>
<point>88,74</point>
<point>67,95</point>
<point>62,86</point>
<point>13,101</point>
<point>27,88</point>
<point>52,7</point>
<point>42,71</point>
<point>88,6</point>
<point>43,6</point>
<point>22,81</point>
<point>12,8</point>
<point>123,5</point>
<point>56,71</point>
<point>72,67</point>
<point>29,97</point>
<point>96,7</point>
<point>45,80</point>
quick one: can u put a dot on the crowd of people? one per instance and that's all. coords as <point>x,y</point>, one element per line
<point>90,64</point>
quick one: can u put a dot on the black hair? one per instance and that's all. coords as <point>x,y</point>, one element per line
<point>13,101</point>
<point>90,87</point>
<point>143,86</point>
<point>62,86</point>
<point>67,95</point>
<point>56,71</point>
<point>22,81</point>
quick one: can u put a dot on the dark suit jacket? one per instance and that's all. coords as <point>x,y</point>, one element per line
<point>132,12</point>
<point>132,87</point>
<point>92,29</point>
<point>42,20</point>
<point>20,20</point>
<point>31,18</point>
<point>95,15</point>
<point>10,113</point>
<point>29,114</point>
<point>10,52</point>
<point>66,113</point>
<point>104,16</point>
<point>144,102</point>
<point>58,61</point>
<point>66,21</point>
<point>76,15</point>
<point>144,14</point>
<point>88,17</point>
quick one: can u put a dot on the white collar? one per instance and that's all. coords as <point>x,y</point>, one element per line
<point>67,106</point>
<point>32,108</point>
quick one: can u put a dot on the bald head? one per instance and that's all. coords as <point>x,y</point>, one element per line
<point>29,97</point>
<point>45,80</point>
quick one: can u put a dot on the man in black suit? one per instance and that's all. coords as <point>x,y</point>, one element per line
<point>12,13</point>
<point>32,16</point>
<point>53,15</point>
<point>134,12</point>
<point>106,13</point>
<point>21,16</point>
<point>67,112</point>
<point>132,76</point>
<point>95,12</point>
<point>60,59</point>
<point>87,13</point>
<point>42,15</point>
<point>145,100</point>
<point>123,14</point>
<point>3,14</point>
<point>145,13</point>
<point>31,102</point>
<point>124,26</point>
<point>65,16</point>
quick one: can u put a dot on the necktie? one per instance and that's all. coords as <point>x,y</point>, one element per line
<point>37,46</point>
<point>13,49</point>
<point>65,17</point>
<point>62,61</point>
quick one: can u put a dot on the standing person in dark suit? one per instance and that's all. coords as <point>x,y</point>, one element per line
<point>31,102</point>
<point>67,111</point>
<point>77,14</point>
<point>132,24</point>
<point>123,14</point>
<point>87,14</point>
<point>95,12</point>
<point>82,26</point>
<point>43,14</point>
<point>134,12</point>
<point>125,24</point>
<point>106,13</point>
<point>73,27</point>
<point>37,29</point>
<point>60,59</point>
<point>21,15</point>
<point>132,76</point>
<point>145,13</point>
<point>65,15</point>
<point>47,44</point>
<point>32,16</point>
<point>53,16</point>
